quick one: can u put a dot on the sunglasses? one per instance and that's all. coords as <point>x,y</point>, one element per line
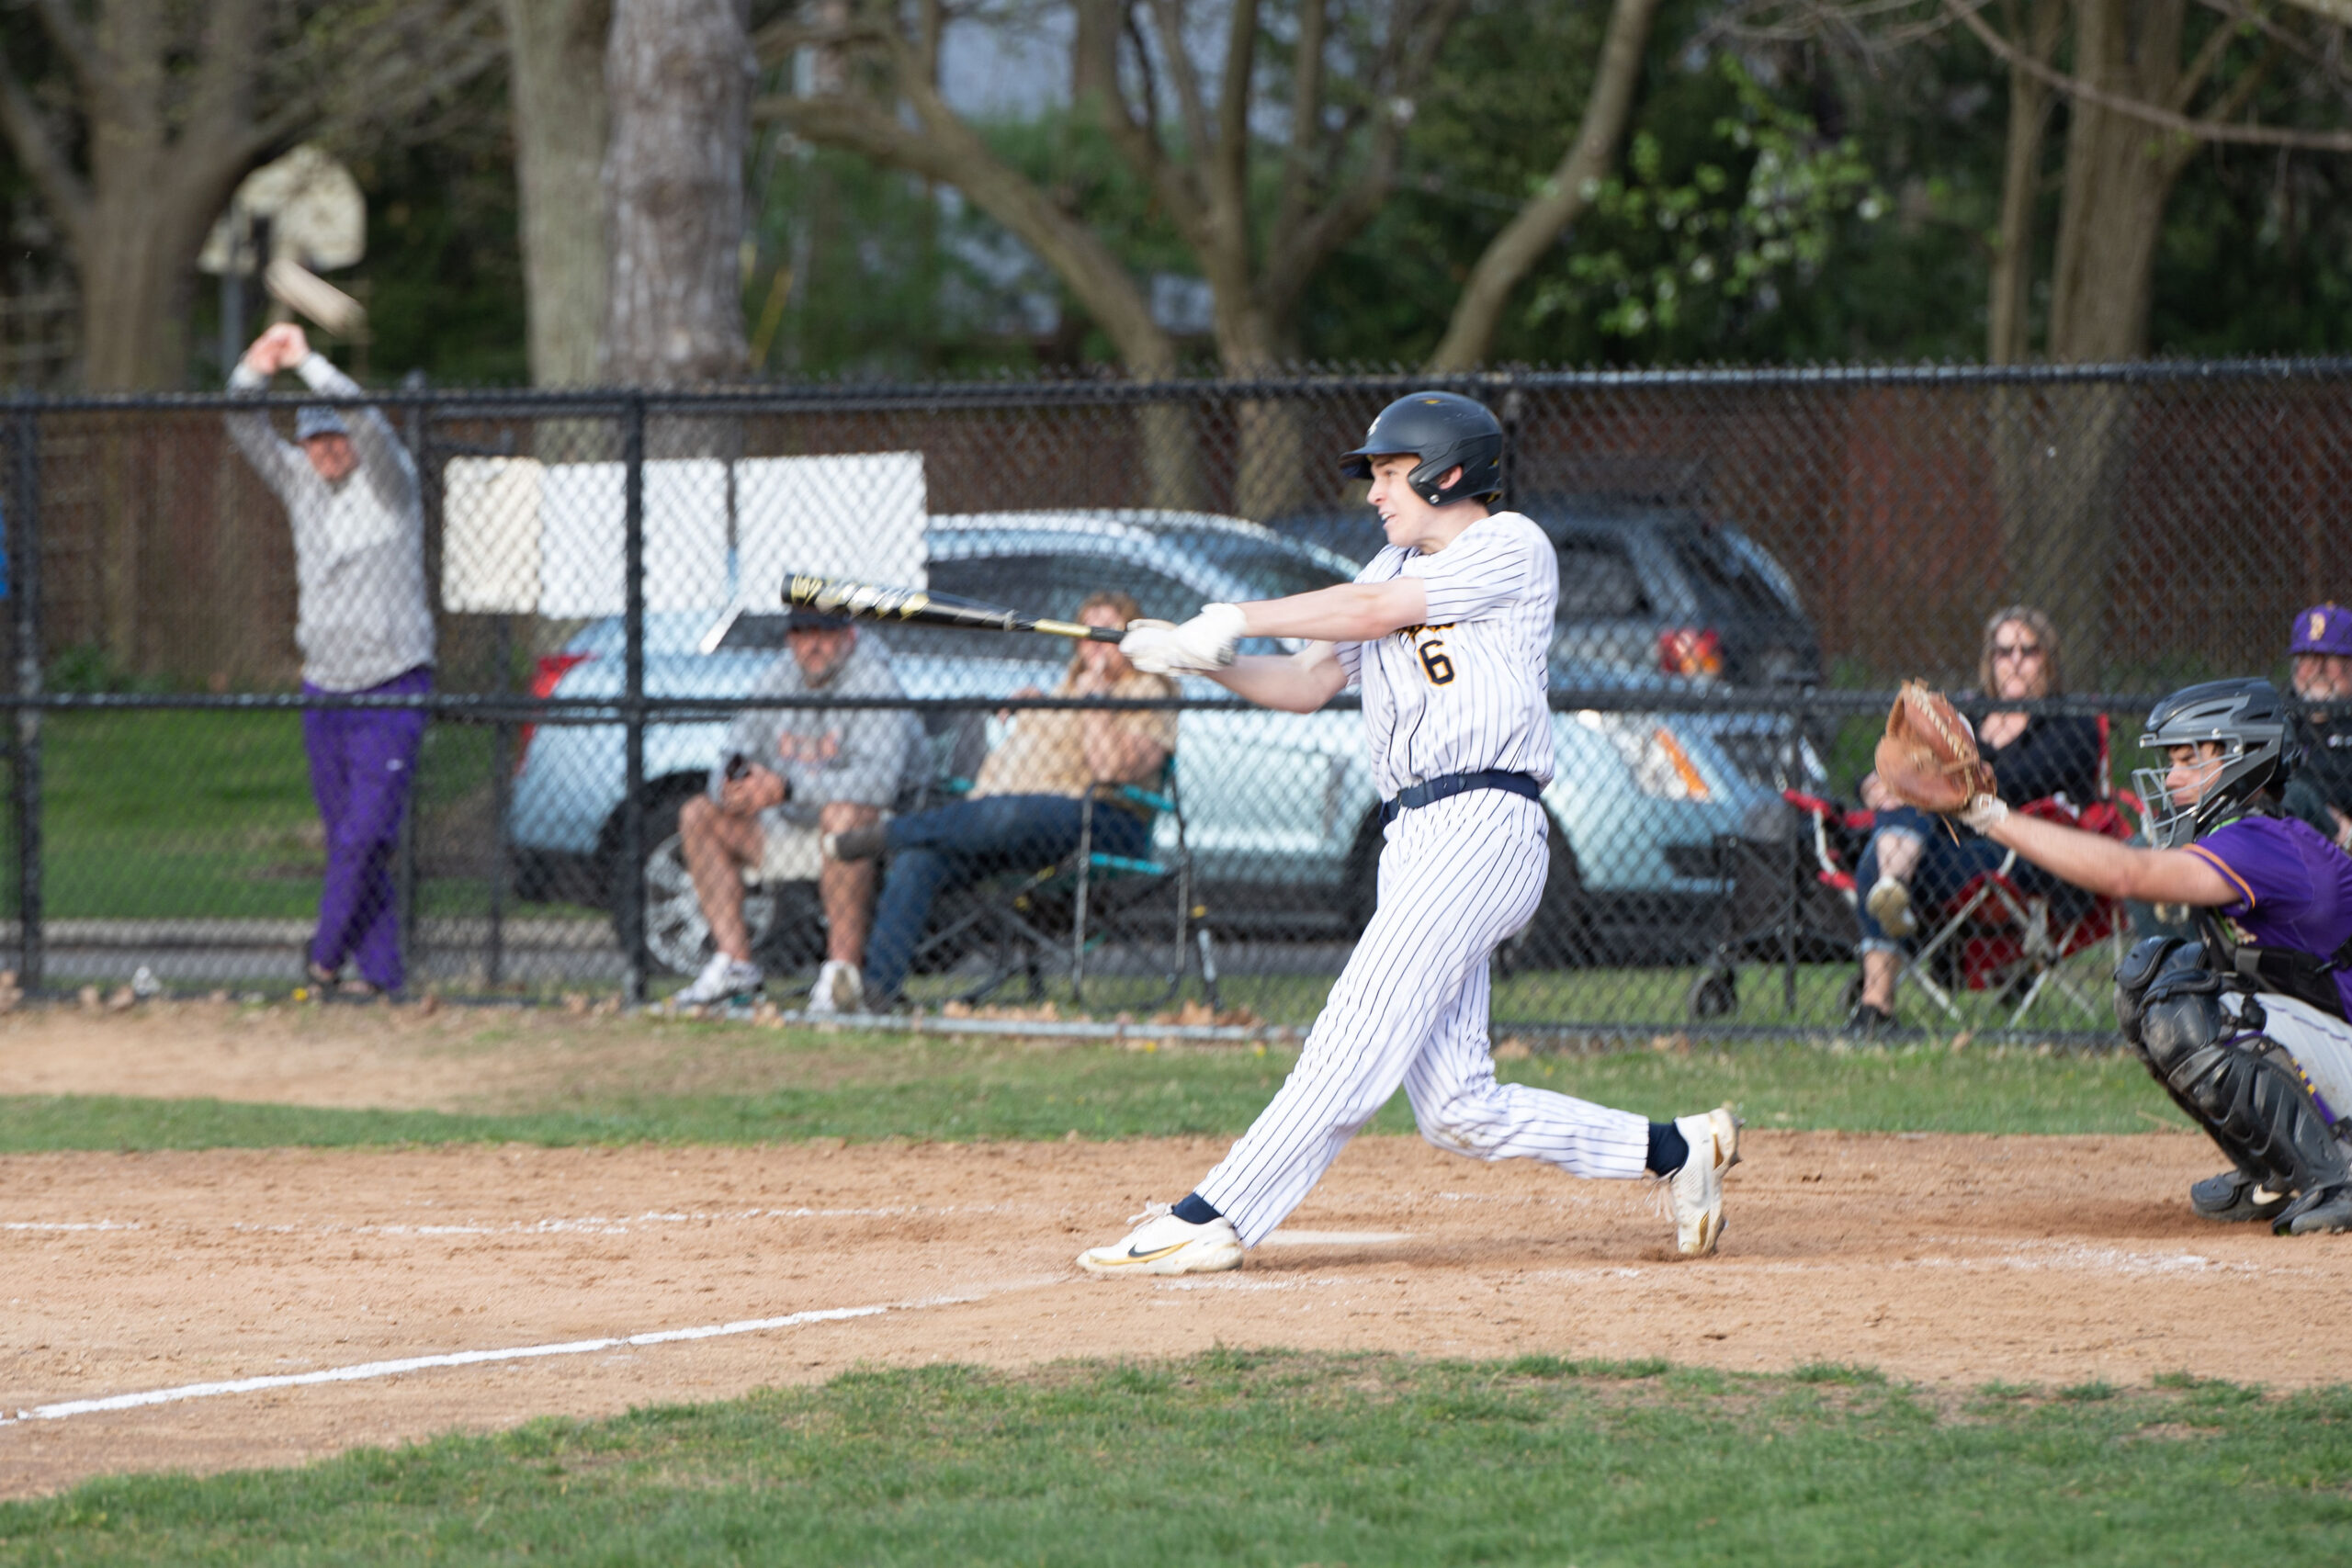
<point>2016,650</point>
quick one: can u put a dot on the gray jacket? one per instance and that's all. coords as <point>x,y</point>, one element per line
<point>362,616</point>
<point>859,756</point>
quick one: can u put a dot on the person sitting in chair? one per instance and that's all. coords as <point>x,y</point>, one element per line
<point>787,778</point>
<point>1911,861</point>
<point>1026,806</point>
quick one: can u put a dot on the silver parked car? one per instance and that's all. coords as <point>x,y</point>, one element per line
<point>1280,816</point>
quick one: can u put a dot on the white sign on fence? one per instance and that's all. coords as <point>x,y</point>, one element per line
<point>526,537</point>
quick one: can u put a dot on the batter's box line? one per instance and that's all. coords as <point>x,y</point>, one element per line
<point>368,1371</point>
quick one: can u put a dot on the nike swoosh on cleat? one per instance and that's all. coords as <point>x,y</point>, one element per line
<point>1134,1257</point>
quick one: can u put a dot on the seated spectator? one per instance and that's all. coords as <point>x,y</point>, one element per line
<point>2320,792</point>
<point>786,778</point>
<point>1912,860</point>
<point>1024,809</point>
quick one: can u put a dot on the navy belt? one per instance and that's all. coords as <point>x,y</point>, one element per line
<point>1431,791</point>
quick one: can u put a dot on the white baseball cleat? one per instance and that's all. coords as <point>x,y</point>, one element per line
<point>839,988</point>
<point>1697,1189</point>
<point>722,979</point>
<point>1166,1244</point>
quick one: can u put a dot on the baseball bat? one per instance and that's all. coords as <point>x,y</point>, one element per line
<point>872,601</point>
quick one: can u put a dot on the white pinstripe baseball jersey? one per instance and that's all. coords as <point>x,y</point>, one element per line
<point>1463,692</point>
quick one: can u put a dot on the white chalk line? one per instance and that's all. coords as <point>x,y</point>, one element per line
<point>591,1224</point>
<point>366,1371</point>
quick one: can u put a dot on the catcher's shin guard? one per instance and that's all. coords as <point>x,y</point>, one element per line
<point>2248,1100</point>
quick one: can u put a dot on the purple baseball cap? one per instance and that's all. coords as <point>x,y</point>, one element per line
<point>2323,628</point>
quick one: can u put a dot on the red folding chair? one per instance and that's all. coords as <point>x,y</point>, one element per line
<point>1993,935</point>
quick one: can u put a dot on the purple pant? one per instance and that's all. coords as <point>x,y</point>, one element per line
<point>361,762</point>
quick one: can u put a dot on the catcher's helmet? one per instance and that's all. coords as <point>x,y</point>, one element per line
<point>1442,429</point>
<point>2258,750</point>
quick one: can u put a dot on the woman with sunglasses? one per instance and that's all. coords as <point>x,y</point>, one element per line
<point>1912,863</point>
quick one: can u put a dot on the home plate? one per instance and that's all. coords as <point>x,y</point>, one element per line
<point>1333,1238</point>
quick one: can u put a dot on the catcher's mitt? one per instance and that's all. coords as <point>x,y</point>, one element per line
<point>1928,756</point>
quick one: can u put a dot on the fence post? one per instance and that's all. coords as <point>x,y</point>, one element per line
<point>502,799</point>
<point>24,582</point>
<point>632,857</point>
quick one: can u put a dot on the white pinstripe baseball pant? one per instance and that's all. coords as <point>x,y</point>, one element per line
<point>1456,878</point>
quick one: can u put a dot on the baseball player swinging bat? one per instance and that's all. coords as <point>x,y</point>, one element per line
<point>872,601</point>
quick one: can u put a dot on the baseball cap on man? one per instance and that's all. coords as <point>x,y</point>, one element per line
<point>317,419</point>
<point>2323,628</point>
<point>807,618</point>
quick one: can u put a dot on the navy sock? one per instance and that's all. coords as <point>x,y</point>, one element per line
<point>1195,1210</point>
<point>1670,1150</point>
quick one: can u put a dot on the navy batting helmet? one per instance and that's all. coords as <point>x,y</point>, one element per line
<point>2258,750</point>
<point>1442,429</point>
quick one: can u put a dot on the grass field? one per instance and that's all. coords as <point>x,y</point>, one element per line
<point>1288,1459</point>
<point>864,1087</point>
<point>160,815</point>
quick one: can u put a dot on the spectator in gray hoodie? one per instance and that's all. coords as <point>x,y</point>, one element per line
<point>364,625</point>
<point>788,779</point>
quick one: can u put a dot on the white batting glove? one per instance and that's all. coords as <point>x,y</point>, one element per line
<point>1984,810</point>
<point>1203,644</point>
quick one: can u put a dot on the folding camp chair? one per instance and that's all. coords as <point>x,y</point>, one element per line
<point>1062,915</point>
<point>1995,933</point>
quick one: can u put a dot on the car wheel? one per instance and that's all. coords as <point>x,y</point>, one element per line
<point>1561,934</point>
<point>677,937</point>
<point>1714,994</point>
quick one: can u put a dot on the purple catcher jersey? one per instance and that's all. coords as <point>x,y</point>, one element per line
<point>2294,887</point>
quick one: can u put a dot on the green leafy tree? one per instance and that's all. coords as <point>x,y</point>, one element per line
<point>1757,210</point>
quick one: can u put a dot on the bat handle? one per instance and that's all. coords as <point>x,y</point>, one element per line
<point>1076,631</point>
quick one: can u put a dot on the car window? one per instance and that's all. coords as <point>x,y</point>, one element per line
<point>1055,586</point>
<point>1727,574</point>
<point>1597,583</point>
<point>1270,572</point>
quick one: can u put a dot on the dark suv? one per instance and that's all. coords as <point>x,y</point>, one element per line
<point>1647,587</point>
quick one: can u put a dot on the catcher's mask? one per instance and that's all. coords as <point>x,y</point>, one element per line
<point>1442,429</point>
<point>2258,750</point>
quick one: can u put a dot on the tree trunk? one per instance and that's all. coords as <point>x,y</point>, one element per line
<point>2120,174</point>
<point>678,74</point>
<point>2009,324</point>
<point>1267,443</point>
<point>1510,253</point>
<point>2070,443</point>
<point>556,51</point>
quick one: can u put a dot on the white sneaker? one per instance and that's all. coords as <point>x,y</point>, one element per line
<point>839,988</point>
<point>1166,1244</point>
<point>1890,906</point>
<point>1697,1189</point>
<point>721,979</point>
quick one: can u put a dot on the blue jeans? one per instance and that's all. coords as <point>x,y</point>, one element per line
<point>951,845</point>
<point>1946,865</point>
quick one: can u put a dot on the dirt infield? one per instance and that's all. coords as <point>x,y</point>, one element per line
<point>1951,1260</point>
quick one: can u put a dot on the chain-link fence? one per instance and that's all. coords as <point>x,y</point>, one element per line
<point>463,716</point>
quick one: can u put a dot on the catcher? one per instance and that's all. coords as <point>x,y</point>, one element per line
<point>2246,1028</point>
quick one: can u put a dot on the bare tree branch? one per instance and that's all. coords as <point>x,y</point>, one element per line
<point>2200,129</point>
<point>1512,252</point>
<point>20,118</point>
<point>1306,119</point>
<point>942,148</point>
<point>81,50</point>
